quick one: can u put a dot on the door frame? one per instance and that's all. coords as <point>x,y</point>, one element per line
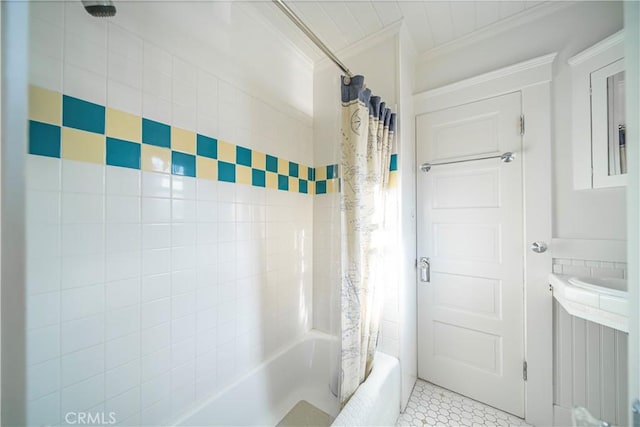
<point>532,79</point>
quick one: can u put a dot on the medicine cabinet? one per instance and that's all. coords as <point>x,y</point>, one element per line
<point>599,132</point>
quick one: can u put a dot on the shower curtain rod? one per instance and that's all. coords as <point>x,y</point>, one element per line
<point>315,39</point>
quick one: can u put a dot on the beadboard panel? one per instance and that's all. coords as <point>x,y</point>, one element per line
<point>590,368</point>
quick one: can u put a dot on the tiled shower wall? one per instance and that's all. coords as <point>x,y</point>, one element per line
<point>152,286</point>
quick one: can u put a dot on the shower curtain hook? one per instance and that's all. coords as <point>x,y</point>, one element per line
<point>347,80</point>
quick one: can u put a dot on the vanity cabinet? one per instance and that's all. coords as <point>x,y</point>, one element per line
<point>599,131</point>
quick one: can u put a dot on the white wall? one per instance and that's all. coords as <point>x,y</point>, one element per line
<point>148,292</point>
<point>594,214</point>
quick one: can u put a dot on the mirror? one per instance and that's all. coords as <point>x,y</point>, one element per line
<point>616,124</point>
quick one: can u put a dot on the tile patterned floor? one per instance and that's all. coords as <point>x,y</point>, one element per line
<point>430,405</point>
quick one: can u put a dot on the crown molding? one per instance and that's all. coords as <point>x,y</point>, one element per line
<point>363,44</point>
<point>492,30</point>
<point>598,48</point>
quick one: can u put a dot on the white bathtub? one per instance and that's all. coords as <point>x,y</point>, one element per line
<point>301,372</point>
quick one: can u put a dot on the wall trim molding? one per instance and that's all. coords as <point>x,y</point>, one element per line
<point>522,74</point>
<point>598,48</point>
<point>589,249</point>
<point>494,29</point>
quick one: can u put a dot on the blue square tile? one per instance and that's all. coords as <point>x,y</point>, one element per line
<point>258,177</point>
<point>302,186</point>
<point>332,171</point>
<point>183,164</point>
<point>321,187</point>
<point>243,156</point>
<point>156,133</point>
<point>310,172</point>
<point>283,182</point>
<point>293,169</point>
<point>44,139</point>
<point>206,147</point>
<point>393,166</point>
<point>226,172</point>
<point>123,153</point>
<point>272,164</point>
<point>83,115</point>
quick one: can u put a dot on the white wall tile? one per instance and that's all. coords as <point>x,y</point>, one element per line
<point>183,187</point>
<point>156,364</point>
<point>123,321</point>
<point>183,305</point>
<point>156,184</point>
<point>121,350</point>
<point>122,209</point>
<point>183,328</point>
<point>158,59</point>
<point>156,210</point>
<point>82,333</point>
<point>156,108</point>
<point>43,207</point>
<point>123,97</point>
<point>183,234</point>
<point>122,181</point>
<point>43,173</point>
<point>123,237</point>
<point>81,365</point>
<point>156,236</point>
<point>156,261</point>
<point>183,375</point>
<point>84,395</point>
<point>154,390</point>
<point>124,405</point>
<point>122,293</point>
<point>43,344</point>
<point>183,352</point>
<point>183,257</point>
<point>82,302</point>
<point>43,379</point>
<point>158,411</point>
<point>122,378</point>
<point>79,239</point>
<point>45,71</point>
<point>84,84</point>
<point>43,310</point>
<point>183,281</point>
<point>44,411</point>
<point>156,312</point>
<point>122,265</point>
<point>155,338</point>
<point>206,190</point>
<point>82,270</point>
<point>183,211</point>
<point>155,287</point>
<point>82,208</point>
<point>125,70</point>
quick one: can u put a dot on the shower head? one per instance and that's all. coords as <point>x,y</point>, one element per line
<point>100,8</point>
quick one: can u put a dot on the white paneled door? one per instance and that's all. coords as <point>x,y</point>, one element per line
<point>470,227</point>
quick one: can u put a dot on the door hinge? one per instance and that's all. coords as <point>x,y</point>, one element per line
<point>524,370</point>
<point>522,125</point>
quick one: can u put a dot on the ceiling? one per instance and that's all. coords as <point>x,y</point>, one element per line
<point>430,23</point>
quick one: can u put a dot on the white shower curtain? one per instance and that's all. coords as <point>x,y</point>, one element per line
<point>368,130</point>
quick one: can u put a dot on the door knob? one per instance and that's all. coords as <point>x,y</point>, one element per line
<point>539,247</point>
